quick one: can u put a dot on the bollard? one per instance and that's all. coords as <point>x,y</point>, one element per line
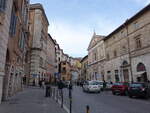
<point>57,96</point>
<point>62,98</point>
<point>54,94</point>
<point>87,109</point>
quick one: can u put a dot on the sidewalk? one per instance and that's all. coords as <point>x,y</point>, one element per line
<point>31,100</point>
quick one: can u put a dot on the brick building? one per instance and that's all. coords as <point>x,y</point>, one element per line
<point>16,48</point>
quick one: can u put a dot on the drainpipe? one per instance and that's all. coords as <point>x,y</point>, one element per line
<point>129,51</point>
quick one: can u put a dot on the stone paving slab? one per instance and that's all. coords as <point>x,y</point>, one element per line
<point>31,100</point>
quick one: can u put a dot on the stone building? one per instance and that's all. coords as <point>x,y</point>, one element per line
<point>138,28</point>
<point>58,58</point>
<point>65,71</point>
<point>84,68</point>
<point>5,15</point>
<point>127,49</point>
<point>51,58</point>
<point>38,34</point>
<point>16,49</point>
<point>96,58</point>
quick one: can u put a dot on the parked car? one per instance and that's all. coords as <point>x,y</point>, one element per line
<point>100,83</point>
<point>120,88</point>
<point>91,86</point>
<point>139,90</point>
<point>108,86</point>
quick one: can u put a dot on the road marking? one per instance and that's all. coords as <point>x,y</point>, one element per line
<point>64,107</point>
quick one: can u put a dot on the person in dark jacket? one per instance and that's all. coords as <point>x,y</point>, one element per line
<point>48,90</point>
<point>60,84</point>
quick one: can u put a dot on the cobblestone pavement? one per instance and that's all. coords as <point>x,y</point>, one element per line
<point>31,100</point>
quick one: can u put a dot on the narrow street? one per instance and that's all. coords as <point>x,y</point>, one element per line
<point>31,100</point>
<point>105,102</point>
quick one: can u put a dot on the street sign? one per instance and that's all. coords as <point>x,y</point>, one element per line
<point>34,75</point>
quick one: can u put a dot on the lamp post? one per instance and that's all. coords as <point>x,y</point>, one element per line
<point>128,41</point>
<point>70,94</point>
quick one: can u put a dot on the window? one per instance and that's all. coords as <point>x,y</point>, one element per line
<point>136,25</point>
<point>124,48</point>
<point>2,5</point>
<point>140,67</point>
<point>13,22</point>
<point>116,76</point>
<point>64,70</point>
<point>107,56</point>
<point>115,53</point>
<point>122,33</point>
<point>138,43</point>
<point>41,62</point>
<point>108,72</point>
<point>95,56</point>
<point>22,41</point>
<point>114,37</point>
<point>109,75</point>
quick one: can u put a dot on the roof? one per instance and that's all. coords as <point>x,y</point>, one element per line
<point>98,38</point>
<point>39,6</point>
<point>51,39</point>
<point>128,21</point>
<point>84,58</point>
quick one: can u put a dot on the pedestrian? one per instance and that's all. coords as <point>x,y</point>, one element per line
<point>43,84</point>
<point>48,90</point>
<point>104,85</point>
<point>33,82</point>
<point>60,87</point>
<point>40,83</point>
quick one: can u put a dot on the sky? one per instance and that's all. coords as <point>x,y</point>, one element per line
<point>73,22</point>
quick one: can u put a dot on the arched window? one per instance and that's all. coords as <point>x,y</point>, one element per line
<point>140,67</point>
<point>125,63</point>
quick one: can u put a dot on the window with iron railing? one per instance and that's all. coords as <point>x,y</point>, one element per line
<point>13,22</point>
<point>2,5</point>
<point>138,43</point>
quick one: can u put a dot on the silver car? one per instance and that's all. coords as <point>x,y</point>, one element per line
<point>91,86</point>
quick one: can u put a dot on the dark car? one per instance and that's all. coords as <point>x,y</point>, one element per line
<point>139,90</point>
<point>120,88</point>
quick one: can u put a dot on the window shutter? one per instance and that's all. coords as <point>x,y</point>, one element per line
<point>14,24</point>
<point>2,5</point>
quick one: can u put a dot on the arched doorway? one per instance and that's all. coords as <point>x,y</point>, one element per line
<point>6,76</point>
<point>125,71</point>
<point>142,76</point>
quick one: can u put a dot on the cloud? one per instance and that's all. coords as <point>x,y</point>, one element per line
<point>72,38</point>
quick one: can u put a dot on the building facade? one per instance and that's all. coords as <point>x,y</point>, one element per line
<point>65,71</point>
<point>5,15</point>
<point>96,58</point>
<point>38,33</point>
<point>127,50</point>
<point>51,58</point>
<point>84,68</point>
<point>16,49</point>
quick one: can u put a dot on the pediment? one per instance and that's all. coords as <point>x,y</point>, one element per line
<point>95,39</point>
